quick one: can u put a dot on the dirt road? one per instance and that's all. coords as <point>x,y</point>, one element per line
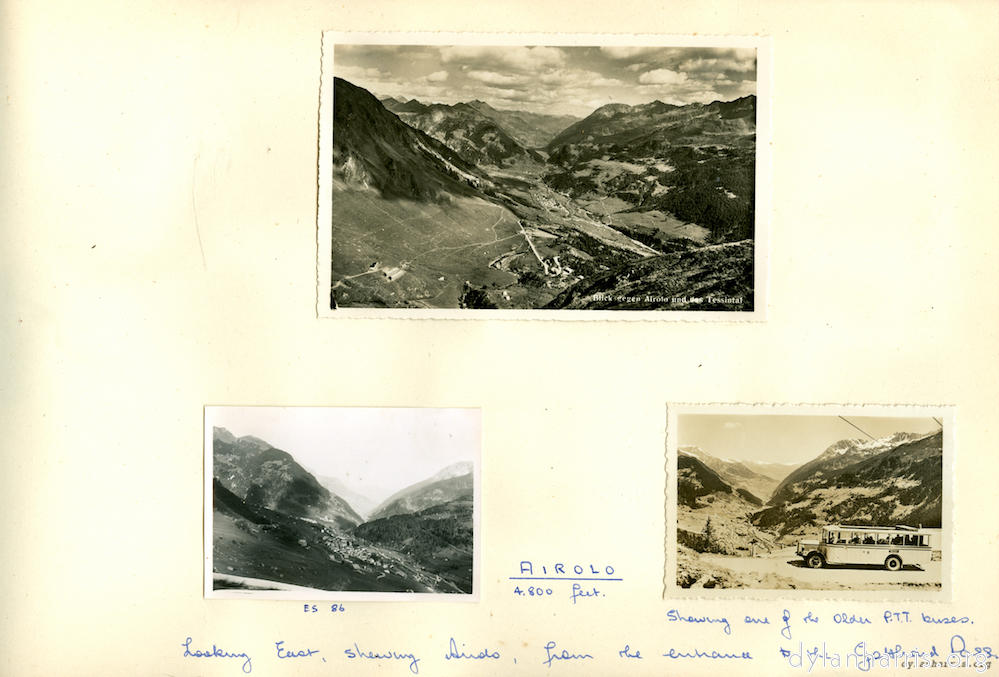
<point>786,564</point>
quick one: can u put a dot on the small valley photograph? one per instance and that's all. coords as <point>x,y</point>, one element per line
<point>543,177</point>
<point>810,502</point>
<point>341,503</point>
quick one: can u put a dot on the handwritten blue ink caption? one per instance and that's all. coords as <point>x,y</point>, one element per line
<point>889,617</point>
<point>895,657</point>
<point>576,574</point>
<point>454,654</point>
<point>389,655</point>
<point>285,653</point>
<point>216,653</point>
<point>552,655</point>
<point>334,608</point>
<point>674,615</point>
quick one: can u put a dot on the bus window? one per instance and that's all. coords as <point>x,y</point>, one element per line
<point>856,538</point>
<point>897,540</point>
<point>868,540</point>
<point>883,539</point>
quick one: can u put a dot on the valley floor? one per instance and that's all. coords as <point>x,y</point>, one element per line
<point>522,248</point>
<point>300,553</point>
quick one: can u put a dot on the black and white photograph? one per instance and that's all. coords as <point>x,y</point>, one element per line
<point>343,503</point>
<point>830,499</point>
<point>543,176</point>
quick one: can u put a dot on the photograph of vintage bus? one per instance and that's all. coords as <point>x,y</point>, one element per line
<point>893,547</point>
<point>824,498</point>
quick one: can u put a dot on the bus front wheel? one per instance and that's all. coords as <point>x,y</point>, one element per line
<point>814,561</point>
<point>893,563</point>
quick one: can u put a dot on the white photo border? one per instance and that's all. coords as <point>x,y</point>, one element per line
<point>947,415</point>
<point>301,593</point>
<point>761,247</point>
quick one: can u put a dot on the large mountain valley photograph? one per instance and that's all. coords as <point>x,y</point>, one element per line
<point>810,502</point>
<point>543,177</point>
<point>341,503</point>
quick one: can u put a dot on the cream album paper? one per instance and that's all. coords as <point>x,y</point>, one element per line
<point>779,459</point>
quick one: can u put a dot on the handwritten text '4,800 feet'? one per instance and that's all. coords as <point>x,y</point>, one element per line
<point>556,577</point>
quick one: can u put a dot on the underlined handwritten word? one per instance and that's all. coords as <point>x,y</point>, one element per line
<point>527,567</point>
<point>564,656</point>
<point>454,653</point>
<point>390,655</point>
<point>216,653</point>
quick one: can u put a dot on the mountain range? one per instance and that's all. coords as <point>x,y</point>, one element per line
<point>894,480</point>
<point>272,516</point>
<point>695,480</point>
<point>373,149</point>
<point>262,475</point>
<point>758,478</point>
<point>528,130</point>
<point>469,206</point>
<point>656,122</point>
<point>449,484</point>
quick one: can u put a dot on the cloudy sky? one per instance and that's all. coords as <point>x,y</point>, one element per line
<point>786,439</point>
<point>374,451</point>
<point>553,80</point>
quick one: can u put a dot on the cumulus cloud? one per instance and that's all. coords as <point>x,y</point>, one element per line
<point>623,52</point>
<point>439,76</point>
<point>607,82</point>
<point>662,76</point>
<point>522,59</point>
<point>357,73</point>
<point>495,79</point>
<point>718,65</point>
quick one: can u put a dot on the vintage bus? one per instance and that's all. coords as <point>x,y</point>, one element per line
<point>891,547</point>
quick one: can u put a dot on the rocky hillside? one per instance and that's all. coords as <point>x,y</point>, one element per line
<point>373,148</point>
<point>696,480</point>
<point>259,474</point>
<point>528,130</point>
<point>840,455</point>
<point>477,138</point>
<point>758,479</point>
<point>717,277</point>
<point>450,484</point>
<point>898,480</point>
<point>621,124</point>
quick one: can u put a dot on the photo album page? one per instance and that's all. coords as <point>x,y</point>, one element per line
<point>465,339</point>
